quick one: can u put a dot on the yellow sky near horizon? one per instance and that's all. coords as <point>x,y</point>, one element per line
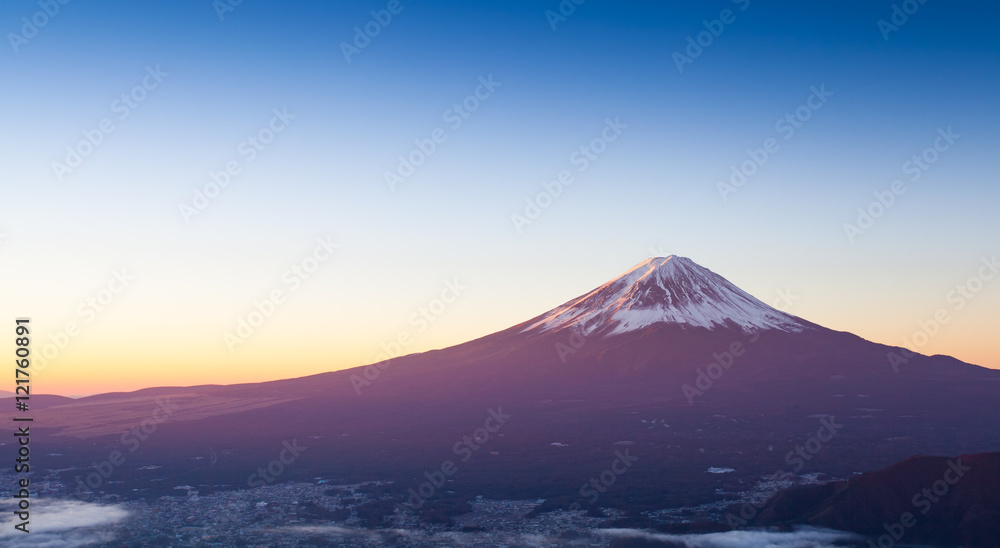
<point>126,347</point>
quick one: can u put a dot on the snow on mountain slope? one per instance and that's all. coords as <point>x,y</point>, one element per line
<point>666,289</point>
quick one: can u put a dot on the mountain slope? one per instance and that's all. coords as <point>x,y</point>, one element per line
<point>934,500</point>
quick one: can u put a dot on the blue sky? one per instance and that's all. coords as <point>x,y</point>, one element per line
<point>653,188</point>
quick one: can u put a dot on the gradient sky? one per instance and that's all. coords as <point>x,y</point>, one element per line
<point>652,192</point>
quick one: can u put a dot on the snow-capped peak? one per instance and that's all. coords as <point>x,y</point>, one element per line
<point>666,289</point>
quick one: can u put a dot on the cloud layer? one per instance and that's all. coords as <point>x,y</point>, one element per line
<point>61,524</point>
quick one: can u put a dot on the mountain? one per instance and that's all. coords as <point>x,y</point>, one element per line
<point>927,500</point>
<point>670,364</point>
<point>38,401</point>
<point>670,290</point>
